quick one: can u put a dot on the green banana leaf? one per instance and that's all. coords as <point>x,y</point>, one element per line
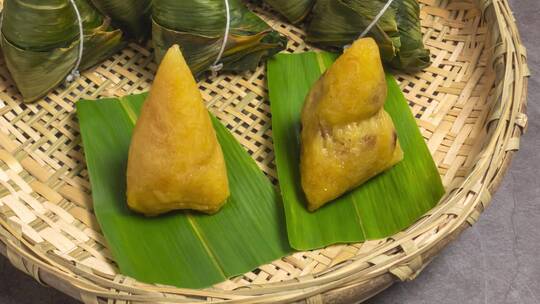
<point>132,16</point>
<point>40,42</point>
<point>336,23</point>
<point>198,27</point>
<point>294,10</point>
<point>381,207</point>
<point>184,249</point>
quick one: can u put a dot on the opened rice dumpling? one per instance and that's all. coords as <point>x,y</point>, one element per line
<point>198,26</point>
<point>347,137</point>
<point>40,42</point>
<point>294,10</point>
<point>132,16</point>
<point>336,23</point>
<point>175,160</point>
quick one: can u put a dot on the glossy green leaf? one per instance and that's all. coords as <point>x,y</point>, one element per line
<point>198,26</point>
<point>336,23</point>
<point>40,42</point>
<point>184,249</point>
<point>381,207</point>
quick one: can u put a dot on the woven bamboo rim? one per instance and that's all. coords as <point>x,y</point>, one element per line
<point>470,105</point>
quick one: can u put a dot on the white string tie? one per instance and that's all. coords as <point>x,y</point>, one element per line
<point>217,65</point>
<point>74,74</point>
<point>373,22</point>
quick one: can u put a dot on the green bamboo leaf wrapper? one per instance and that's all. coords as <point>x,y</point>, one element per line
<point>133,16</point>
<point>379,208</point>
<point>184,249</point>
<point>40,42</point>
<point>38,26</point>
<point>294,10</point>
<point>198,26</point>
<point>336,23</point>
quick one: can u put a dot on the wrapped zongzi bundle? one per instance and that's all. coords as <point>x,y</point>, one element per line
<point>132,16</point>
<point>175,160</point>
<point>294,10</point>
<point>198,26</point>
<point>40,42</point>
<point>347,136</point>
<point>336,23</point>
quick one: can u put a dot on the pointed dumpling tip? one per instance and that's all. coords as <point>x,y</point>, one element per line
<point>355,85</point>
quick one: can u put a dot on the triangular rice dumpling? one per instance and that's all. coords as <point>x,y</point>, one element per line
<point>198,26</point>
<point>40,42</point>
<point>347,136</point>
<point>336,23</point>
<point>175,160</point>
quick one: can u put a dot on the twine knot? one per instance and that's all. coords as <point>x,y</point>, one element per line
<point>216,67</point>
<point>72,76</point>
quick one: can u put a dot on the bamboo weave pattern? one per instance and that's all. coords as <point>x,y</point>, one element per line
<point>469,105</point>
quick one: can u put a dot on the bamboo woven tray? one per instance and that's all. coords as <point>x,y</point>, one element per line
<point>469,105</point>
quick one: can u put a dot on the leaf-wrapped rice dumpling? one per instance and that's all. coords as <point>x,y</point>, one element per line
<point>198,26</point>
<point>347,136</point>
<point>294,10</point>
<point>336,23</point>
<point>132,16</point>
<point>175,160</point>
<point>40,42</point>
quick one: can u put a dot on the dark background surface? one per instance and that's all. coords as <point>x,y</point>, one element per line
<point>496,261</point>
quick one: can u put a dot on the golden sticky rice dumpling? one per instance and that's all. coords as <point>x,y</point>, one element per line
<point>175,160</point>
<point>347,136</point>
